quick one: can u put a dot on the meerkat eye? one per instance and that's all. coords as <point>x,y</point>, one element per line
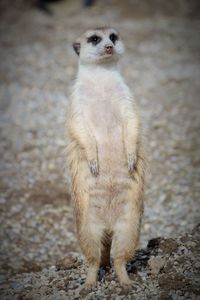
<point>113,37</point>
<point>94,39</point>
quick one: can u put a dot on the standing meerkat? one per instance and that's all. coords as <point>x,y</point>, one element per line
<point>105,156</point>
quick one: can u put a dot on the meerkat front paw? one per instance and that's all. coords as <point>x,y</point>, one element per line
<point>131,162</point>
<point>94,167</point>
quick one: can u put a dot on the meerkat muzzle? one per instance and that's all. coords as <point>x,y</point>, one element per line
<point>109,49</point>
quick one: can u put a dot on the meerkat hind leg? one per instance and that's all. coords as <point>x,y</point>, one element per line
<point>91,278</point>
<point>120,268</point>
<point>93,267</point>
<point>90,243</point>
<point>124,242</point>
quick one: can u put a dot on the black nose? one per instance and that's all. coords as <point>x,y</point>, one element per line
<point>108,47</point>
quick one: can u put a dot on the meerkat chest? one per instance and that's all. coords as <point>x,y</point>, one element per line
<point>103,115</point>
<point>102,106</point>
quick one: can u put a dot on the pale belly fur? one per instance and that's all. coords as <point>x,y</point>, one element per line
<point>108,191</point>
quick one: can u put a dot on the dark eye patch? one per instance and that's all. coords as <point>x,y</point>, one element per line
<point>113,37</point>
<point>94,39</point>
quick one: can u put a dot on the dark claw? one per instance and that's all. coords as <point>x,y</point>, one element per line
<point>94,169</point>
<point>131,164</point>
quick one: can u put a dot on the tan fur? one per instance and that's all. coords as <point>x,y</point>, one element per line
<point>106,163</point>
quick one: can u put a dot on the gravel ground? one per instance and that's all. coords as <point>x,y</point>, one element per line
<point>166,269</point>
<point>37,69</point>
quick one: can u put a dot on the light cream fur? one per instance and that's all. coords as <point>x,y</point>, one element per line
<point>106,162</point>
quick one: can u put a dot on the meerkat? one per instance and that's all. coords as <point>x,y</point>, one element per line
<point>105,156</point>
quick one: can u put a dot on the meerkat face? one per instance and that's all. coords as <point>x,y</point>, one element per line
<point>101,45</point>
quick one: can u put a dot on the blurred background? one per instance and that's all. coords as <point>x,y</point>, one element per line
<point>37,70</point>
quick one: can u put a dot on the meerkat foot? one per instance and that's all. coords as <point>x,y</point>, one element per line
<point>86,289</point>
<point>120,268</point>
<point>125,282</point>
<point>94,168</point>
<point>131,163</point>
<point>124,279</point>
<point>89,285</point>
<point>91,278</point>
<point>127,287</point>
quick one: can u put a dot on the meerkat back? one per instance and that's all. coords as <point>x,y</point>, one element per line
<point>105,156</point>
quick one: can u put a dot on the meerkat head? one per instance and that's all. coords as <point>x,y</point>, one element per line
<point>101,45</point>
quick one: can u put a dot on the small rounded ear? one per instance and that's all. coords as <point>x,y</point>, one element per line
<point>77,47</point>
